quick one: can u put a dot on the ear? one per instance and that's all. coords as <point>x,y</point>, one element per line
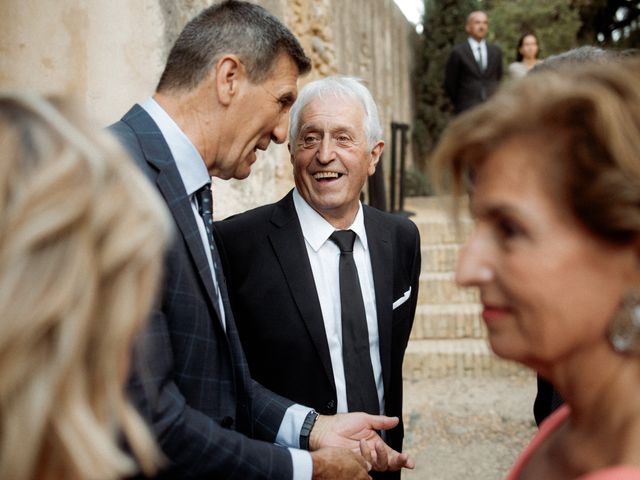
<point>376,151</point>
<point>636,255</point>
<point>630,263</point>
<point>290,152</point>
<point>228,73</point>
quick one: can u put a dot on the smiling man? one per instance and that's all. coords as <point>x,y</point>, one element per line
<point>226,91</point>
<point>310,331</point>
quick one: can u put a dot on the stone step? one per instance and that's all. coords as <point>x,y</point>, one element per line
<point>435,231</point>
<point>462,358</point>
<point>448,321</point>
<point>440,288</point>
<point>448,336</point>
<point>440,258</point>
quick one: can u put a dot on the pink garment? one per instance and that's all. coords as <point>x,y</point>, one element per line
<point>550,425</point>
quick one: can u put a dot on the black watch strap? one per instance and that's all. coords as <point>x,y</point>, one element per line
<point>307,426</point>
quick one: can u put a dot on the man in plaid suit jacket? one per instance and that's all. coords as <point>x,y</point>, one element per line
<point>226,91</point>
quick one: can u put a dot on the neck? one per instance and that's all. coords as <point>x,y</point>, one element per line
<point>598,385</point>
<point>340,220</point>
<point>195,118</point>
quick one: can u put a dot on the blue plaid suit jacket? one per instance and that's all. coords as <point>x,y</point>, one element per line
<point>190,379</point>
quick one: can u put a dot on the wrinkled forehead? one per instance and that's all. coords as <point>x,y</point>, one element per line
<point>332,109</point>
<point>477,17</point>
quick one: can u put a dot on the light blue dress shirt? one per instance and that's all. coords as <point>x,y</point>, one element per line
<point>194,174</point>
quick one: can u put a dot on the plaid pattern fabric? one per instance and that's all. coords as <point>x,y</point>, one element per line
<point>190,377</point>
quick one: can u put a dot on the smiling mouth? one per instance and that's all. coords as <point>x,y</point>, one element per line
<point>325,176</point>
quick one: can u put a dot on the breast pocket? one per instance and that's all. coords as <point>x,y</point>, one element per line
<point>403,299</point>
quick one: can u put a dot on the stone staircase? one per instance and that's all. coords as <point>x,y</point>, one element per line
<point>448,336</point>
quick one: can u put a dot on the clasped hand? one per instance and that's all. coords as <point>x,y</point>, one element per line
<point>356,432</point>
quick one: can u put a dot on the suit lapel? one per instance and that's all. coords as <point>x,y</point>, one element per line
<point>381,254</point>
<point>289,247</point>
<point>472,58</point>
<point>170,184</point>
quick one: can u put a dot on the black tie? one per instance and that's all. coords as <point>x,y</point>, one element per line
<point>205,209</point>
<point>480,60</point>
<point>362,395</point>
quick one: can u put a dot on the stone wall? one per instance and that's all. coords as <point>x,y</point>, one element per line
<point>110,53</point>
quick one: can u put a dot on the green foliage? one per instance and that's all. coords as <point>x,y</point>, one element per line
<point>609,23</point>
<point>555,23</point>
<point>559,24</point>
<point>443,27</point>
<point>416,184</point>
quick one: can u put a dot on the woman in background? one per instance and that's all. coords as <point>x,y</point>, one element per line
<point>81,241</point>
<point>527,53</point>
<point>552,166</point>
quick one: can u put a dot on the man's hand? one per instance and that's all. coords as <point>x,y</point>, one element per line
<point>339,463</point>
<point>357,432</point>
<point>383,458</point>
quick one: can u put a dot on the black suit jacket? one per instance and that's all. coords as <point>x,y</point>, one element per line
<point>278,313</point>
<point>465,82</point>
<point>191,379</point>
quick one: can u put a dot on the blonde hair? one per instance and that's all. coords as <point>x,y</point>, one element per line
<point>81,242</point>
<point>586,122</point>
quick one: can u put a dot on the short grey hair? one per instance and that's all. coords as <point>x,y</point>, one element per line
<point>577,56</point>
<point>341,87</point>
<point>232,27</point>
<point>475,12</point>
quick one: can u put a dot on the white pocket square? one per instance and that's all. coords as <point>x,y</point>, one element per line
<point>405,296</point>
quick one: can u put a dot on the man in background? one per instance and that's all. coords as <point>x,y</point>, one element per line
<point>309,334</point>
<point>474,68</point>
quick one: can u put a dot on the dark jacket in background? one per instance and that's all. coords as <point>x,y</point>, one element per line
<point>465,82</point>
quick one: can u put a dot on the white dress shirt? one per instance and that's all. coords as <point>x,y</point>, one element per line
<point>324,256</point>
<point>195,175</point>
<point>474,44</point>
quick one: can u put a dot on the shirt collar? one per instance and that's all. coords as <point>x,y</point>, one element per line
<point>316,230</point>
<point>474,43</point>
<point>190,164</point>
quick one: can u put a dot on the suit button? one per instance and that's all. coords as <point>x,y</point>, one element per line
<point>331,404</point>
<point>226,422</point>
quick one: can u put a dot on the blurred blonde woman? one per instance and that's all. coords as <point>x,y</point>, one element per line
<point>552,164</point>
<point>81,243</point>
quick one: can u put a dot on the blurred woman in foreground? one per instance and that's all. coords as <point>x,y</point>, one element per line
<point>552,166</point>
<point>81,241</point>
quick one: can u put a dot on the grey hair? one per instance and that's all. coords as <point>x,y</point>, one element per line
<point>232,27</point>
<point>475,12</point>
<point>341,87</point>
<point>577,56</point>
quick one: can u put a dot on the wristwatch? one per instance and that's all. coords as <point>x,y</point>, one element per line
<point>307,426</point>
